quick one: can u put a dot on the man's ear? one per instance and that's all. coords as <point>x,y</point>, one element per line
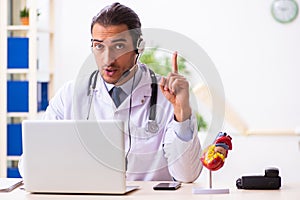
<point>140,45</point>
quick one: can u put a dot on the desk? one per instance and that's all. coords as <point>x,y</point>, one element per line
<point>287,192</point>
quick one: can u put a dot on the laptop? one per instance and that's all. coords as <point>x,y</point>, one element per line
<point>71,156</point>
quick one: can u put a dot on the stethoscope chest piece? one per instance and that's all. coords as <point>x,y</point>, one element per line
<point>152,126</point>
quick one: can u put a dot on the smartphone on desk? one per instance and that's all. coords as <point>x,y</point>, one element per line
<point>167,186</point>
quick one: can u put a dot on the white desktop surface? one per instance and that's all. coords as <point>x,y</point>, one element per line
<point>287,192</point>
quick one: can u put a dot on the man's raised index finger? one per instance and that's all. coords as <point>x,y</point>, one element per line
<point>174,63</point>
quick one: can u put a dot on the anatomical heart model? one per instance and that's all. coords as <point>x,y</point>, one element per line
<point>213,158</point>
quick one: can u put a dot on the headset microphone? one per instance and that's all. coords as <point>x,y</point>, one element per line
<point>128,74</point>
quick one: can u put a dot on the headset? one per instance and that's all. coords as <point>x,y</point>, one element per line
<point>152,125</point>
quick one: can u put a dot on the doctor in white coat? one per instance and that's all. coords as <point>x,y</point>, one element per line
<point>169,150</point>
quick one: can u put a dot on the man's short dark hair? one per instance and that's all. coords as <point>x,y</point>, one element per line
<point>117,14</point>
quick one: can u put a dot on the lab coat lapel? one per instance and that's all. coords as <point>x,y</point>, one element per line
<point>80,98</point>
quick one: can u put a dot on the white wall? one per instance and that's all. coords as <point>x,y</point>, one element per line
<point>256,56</point>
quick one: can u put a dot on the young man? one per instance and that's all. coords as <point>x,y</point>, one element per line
<point>169,150</point>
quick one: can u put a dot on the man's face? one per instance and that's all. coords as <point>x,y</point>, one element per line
<point>113,50</point>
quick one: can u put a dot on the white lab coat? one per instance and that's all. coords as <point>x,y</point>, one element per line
<point>157,157</point>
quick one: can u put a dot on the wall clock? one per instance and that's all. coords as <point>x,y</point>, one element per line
<point>284,11</point>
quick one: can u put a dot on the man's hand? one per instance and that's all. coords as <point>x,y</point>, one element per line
<point>175,87</point>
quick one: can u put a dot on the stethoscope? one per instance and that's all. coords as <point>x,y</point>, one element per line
<point>152,125</point>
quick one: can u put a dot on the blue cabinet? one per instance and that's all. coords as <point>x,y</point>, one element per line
<point>42,98</point>
<point>17,96</point>
<point>14,139</point>
<point>17,53</point>
<point>13,172</point>
<point>14,147</point>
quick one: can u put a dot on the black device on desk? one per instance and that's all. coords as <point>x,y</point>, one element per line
<point>270,181</point>
<point>167,186</point>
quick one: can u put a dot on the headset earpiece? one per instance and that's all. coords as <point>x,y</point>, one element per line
<point>140,45</point>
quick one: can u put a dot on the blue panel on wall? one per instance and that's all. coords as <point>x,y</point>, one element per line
<point>14,139</point>
<point>17,96</point>
<point>13,173</point>
<point>17,54</point>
